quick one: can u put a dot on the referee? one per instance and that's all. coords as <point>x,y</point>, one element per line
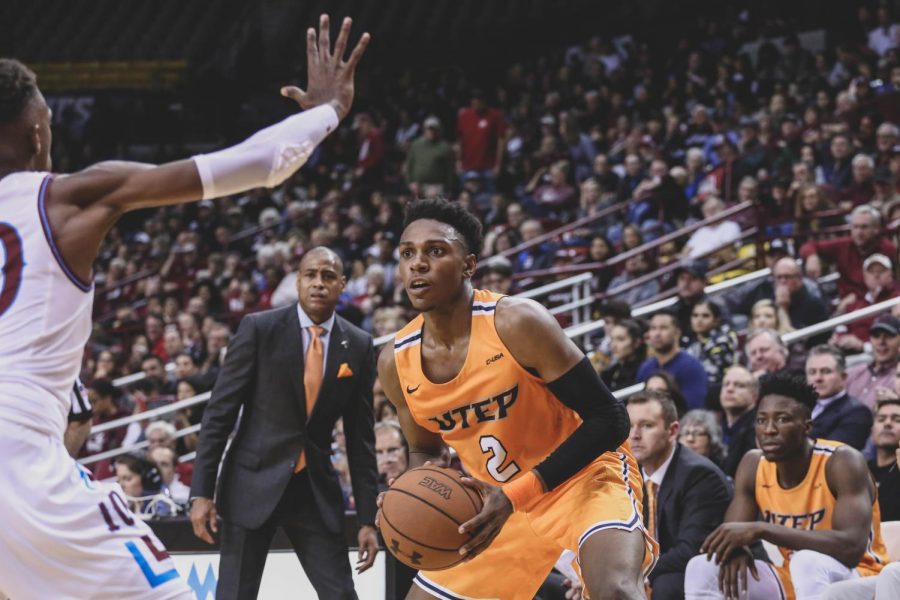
<point>80,414</point>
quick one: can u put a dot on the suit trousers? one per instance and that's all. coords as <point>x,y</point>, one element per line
<point>322,554</point>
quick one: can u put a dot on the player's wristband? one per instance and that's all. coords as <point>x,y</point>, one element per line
<point>523,490</point>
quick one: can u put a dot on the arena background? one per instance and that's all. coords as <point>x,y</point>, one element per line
<point>156,81</point>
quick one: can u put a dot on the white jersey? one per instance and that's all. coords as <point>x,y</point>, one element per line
<point>45,311</point>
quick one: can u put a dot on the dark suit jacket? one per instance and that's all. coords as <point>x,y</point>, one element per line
<point>742,440</point>
<point>845,420</point>
<point>263,373</point>
<point>690,503</point>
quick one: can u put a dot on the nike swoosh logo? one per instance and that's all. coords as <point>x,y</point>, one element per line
<point>410,390</point>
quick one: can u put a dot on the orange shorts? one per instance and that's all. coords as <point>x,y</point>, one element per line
<point>607,494</point>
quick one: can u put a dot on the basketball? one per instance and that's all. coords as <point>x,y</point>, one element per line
<point>421,514</point>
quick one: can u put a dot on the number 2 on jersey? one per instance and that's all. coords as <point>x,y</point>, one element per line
<point>490,444</point>
<point>12,267</point>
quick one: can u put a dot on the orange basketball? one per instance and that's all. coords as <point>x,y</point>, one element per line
<point>421,514</point>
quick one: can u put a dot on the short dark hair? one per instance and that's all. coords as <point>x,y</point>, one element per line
<point>153,357</point>
<point>887,402</point>
<point>451,213</point>
<point>18,85</point>
<point>783,383</point>
<point>501,268</point>
<point>667,313</point>
<point>104,388</point>
<point>669,412</point>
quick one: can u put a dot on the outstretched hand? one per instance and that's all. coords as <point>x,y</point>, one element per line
<point>330,77</point>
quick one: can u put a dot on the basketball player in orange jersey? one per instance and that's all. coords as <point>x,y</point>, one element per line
<point>496,378</point>
<point>818,505</point>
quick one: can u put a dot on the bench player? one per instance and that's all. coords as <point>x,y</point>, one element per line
<point>63,535</point>
<point>497,379</point>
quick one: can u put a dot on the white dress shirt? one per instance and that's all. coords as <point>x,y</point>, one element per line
<point>660,473</point>
<point>306,323</point>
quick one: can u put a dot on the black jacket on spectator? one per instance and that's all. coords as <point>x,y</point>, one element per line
<point>740,438</point>
<point>806,308</point>
<point>846,420</point>
<point>619,375</point>
<point>691,502</point>
<point>888,479</point>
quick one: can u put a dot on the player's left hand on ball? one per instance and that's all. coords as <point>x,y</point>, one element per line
<point>368,547</point>
<point>486,525</point>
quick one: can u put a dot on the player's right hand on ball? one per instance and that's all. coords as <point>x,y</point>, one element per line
<point>486,525</point>
<point>203,514</point>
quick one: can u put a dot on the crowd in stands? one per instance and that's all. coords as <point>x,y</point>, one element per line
<point>637,146</point>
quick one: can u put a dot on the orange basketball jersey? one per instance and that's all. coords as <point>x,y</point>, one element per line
<point>500,418</point>
<point>810,505</point>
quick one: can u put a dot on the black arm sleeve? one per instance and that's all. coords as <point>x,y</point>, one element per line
<point>604,426</point>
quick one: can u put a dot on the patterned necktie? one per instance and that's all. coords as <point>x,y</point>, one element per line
<point>652,489</point>
<point>312,378</point>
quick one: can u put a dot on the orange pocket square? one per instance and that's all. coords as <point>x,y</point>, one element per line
<point>345,371</point>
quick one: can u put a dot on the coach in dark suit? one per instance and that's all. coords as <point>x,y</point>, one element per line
<point>686,495</point>
<point>295,371</point>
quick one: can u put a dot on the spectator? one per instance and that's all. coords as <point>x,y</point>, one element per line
<point>700,431</point>
<point>369,169</point>
<point>141,482</point>
<point>766,352</point>
<point>740,392</point>
<point>390,451</point>
<point>872,382</point>
<point>886,438</point>
<point>836,416</point>
<point>662,381</point>
<point>861,189</point>
<point>811,200</point>
<point>430,162</point>
<point>612,312</point>
<point>690,285</point>
<point>837,170</point>
<point>713,237</point>
<point>102,395</point>
<point>185,366</point>
<point>601,250</point>
<point>663,338</point>
<point>714,343</point>
<point>481,132</point>
<point>165,459</point>
<point>878,274</point>
<point>160,434</point>
<point>686,494</point>
<point>498,276</point>
<point>628,353</point>
<point>539,255</point>
<point>848,253</point>
<point>766,315</point>
<point>787,288</point>
<point>791,482</point>
<point>886,35</point>
<point>635,268</point>
<point>556,197</point>
<point>155,370</point>
<point>391,455</point>
<point>886,197</point>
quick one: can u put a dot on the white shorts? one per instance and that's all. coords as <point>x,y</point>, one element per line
<point>63,536</point>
